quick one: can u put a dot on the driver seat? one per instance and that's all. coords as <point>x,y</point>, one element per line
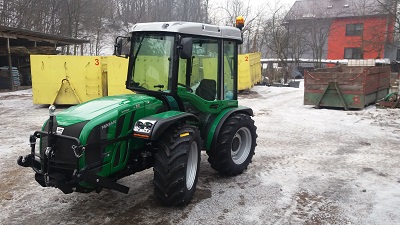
<point>207,89</point>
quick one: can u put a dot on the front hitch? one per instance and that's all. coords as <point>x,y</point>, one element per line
<point>29,160</point>
<point>49,174</point>
<point>25,161</point>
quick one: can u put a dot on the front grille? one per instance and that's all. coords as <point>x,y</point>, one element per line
<point>63,159</point>
<point>64,156</point>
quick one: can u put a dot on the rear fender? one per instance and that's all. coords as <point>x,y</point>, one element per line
<point>152,127</point>
<point>215,126</point>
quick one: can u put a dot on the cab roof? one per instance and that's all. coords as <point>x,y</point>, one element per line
<point>191,28</point>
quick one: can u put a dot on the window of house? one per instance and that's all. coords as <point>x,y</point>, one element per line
<point>354,29</point>
<point>398,55</point>
<point>353,53</point>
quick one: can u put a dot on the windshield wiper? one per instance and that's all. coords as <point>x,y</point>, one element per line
<point>137,51</point>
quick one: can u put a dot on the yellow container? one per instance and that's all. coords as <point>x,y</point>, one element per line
<point>115,72</point>
<point>66,80</point>
<point>249,71</point>
<point>70,80</point>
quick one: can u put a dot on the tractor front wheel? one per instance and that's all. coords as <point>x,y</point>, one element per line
<point>235,145</point>
<point>176,165</point>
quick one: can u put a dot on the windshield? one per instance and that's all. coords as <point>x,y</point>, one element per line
<point>151,57</point>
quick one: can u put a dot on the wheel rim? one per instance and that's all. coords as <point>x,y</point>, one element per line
<point>241,145</point>
<point>191,168</point>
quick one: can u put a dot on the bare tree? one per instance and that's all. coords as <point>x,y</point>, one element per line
<point>229,10</point>
<point>378,34</point>
<point>297,40</point>
<point>94,18</point>
<point>276,38</point>
<point>392,8</point>
<point>96,25</point>
<point>318,32</point>
<point>131,11</point>
<point>4,9</point>
<point>309,25</point>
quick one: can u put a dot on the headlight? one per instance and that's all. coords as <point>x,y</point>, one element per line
<point>144,126</point>
<point>148,125</point>
<point>139,125</point>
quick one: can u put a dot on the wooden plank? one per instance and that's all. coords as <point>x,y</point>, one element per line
<point>22,50</point>
<point>344,88</point>
<point>379,69</point>
<point>6,35</point>
<point>333,75</point>
<point>325,81</point>
<point>388,104</point>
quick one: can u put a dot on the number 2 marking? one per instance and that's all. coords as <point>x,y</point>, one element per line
<point>246,58</point>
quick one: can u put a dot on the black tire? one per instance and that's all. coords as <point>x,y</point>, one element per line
<point>235,145</point>
<point>176,165</point>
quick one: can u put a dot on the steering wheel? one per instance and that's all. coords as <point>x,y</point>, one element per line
<point>138,85</point>
<point>188,88</point>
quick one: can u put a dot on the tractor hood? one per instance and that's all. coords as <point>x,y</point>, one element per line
<point>96,134</point>
<point>102,107</point>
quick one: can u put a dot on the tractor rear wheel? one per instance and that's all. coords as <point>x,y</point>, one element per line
<point>176,165</point>
<point>235,145</point>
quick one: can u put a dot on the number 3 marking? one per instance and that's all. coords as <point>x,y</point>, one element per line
<point>96,62</point>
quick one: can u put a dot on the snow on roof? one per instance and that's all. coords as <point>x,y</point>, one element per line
<point>337,9</point>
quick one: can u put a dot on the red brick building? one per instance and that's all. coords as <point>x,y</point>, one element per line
<point>360,38</point>
<point>355,29</point>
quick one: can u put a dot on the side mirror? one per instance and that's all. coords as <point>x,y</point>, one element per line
<point>187,45</point>
<point>122,46</point>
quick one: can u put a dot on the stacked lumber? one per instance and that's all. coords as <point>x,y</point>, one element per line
<point>22,50</point>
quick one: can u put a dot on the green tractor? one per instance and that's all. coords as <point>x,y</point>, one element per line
<point>184,79</point>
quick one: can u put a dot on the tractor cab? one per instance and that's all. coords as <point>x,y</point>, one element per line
<point>194,63</point>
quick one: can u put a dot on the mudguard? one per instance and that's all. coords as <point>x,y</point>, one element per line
<point>152,127</point>
<point>214,128</point>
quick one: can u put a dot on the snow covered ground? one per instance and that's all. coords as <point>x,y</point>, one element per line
<point>312,166</point>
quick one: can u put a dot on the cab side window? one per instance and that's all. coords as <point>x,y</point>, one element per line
<point>229,70</point>
<point>205,68</point>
